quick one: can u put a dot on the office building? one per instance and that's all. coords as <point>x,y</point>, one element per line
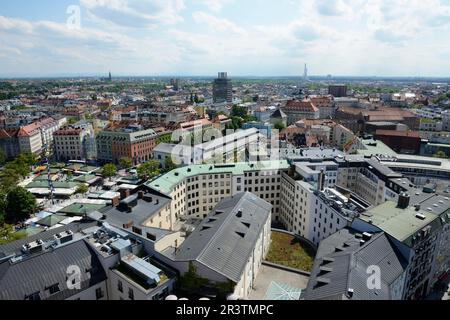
<point>222,89</point>
<point>337,90</point>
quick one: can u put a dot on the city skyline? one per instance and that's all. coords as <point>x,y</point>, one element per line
<point>201,37</point>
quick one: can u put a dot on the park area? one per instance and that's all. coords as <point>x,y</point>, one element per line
<point>289,251</point>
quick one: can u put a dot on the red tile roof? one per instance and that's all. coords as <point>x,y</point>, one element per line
<point>302,106</point>
<point>396,133</point>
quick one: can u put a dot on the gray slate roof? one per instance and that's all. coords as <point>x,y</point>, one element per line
<point>40,271</point>
<point>336,271</point>
<point>16,246</point>
<point>216,242</point>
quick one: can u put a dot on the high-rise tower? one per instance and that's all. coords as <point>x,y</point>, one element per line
<point>305,73</point>
<point>222,89</point>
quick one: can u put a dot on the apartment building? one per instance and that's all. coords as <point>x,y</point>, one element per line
<point>69,144</point>
<point>132,142</point>
<point>30,139</point>
<point>196,190</point>
<point>297,110</point>
<point>341,265</point>
<point>326,105</point>
<point>417,226</point>
<point>229,245</point>
<point>227,149</point>
<point>371,180</point>
<point>312,205</point>
<point>47,127</point>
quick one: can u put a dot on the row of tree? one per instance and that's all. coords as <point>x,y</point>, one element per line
<point>145,171</point>
<point>16,203</point>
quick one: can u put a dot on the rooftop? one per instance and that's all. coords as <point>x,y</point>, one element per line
<point>226,238</point>
<point>135,210</point>
<point>167,182</point>
<point>340,267</point>
<point>403,224</point>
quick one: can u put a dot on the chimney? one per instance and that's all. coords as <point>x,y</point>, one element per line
<point>350,293</point>
<point>403,200</point>
<point>141,195</point>
<point>115,201</point>
<point>124,193</point>
<point>129,209</point>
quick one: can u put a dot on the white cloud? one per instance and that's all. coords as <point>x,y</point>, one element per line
<point>136,13</point>
<point>393,37</point>
<point>215,5</point>
<point>217,24</point>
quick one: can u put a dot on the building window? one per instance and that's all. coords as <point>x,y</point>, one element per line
<point>98,293</point>
<point>120,286</point>
<point>130,294</point>
<point>54,289</point>
<point>34,296</point>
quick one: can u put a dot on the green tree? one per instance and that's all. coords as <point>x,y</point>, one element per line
<point>148,170</point>
<point>440,154</point>
<point>109,170</point>
<point>20,204</point>
<point>2,158</point>
<point>125,163</point>
<point>169,165</point>
<point>82,189</point>
<point>279,125</point>
<point>191,281</point>
<point>238,111</point>
<point>8,179</point>
<point>2,207</point>
<point>8,235</point>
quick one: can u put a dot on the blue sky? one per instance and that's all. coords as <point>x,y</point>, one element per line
<point>243,37</point>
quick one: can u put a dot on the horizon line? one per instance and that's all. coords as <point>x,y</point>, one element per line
<point>68,76</point>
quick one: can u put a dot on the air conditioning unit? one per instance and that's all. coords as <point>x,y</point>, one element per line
<point>33,247</point>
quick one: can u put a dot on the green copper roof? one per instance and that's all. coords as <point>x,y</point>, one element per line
<point>167,182</point>
<point>402,224</point>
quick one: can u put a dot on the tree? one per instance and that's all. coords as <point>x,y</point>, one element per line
<point>2,207</point>
<point>238,111</point>
<point>82,189</point>
<point>148,170</point>
<point>279,126</point>
<point>2,158</point>
<point>8,235</point>
<point>169,165</point>
<point>191,281</point>
<point>8,179</point>
<point>109,170</point>
<point>20,204</point>
<point>125,163</point>
<point>440,154</point>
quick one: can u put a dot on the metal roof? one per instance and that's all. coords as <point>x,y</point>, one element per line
<point>402,224</point>
<point>167,182</point>
<point>227,237</point>
<point>38,273</point>
<point>341,266</point>
<point>16,246</point>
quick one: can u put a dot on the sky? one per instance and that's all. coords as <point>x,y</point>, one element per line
<point>242,37</point>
